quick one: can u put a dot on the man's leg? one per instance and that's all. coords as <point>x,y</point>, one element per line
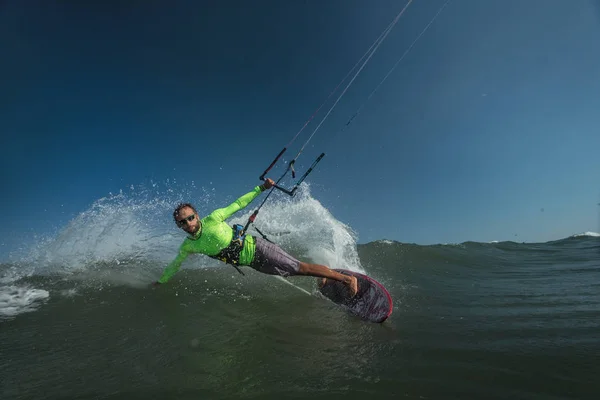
<point>271,259</point>
<point>321,271</point>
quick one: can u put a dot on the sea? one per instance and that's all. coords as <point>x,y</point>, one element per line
<point>502,320</point>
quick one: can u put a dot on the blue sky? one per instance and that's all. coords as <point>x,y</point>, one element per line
<point>488,130</point>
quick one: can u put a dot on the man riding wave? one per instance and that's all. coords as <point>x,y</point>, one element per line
<point>213,237</point>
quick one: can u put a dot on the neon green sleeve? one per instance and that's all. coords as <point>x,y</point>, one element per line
<point>222,214</point>
<point>173,266</point>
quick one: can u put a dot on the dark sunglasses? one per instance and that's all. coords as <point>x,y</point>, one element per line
<point>184,221</point>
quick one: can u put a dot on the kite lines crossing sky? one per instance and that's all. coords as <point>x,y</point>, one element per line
<point>358,67</point>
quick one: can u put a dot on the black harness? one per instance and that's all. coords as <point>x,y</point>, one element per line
<point>231,253</point>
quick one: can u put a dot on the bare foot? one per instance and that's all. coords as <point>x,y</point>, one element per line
<point>353,286</point>
<point>351,283</point>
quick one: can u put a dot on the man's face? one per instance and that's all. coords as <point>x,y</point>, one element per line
<point>188,220</point>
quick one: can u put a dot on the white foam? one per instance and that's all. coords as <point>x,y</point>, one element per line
<point>15,300</point>
<point>116,229</point>
<point>591,234</point>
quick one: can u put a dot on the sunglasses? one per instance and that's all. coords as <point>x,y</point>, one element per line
<point>186,220</point>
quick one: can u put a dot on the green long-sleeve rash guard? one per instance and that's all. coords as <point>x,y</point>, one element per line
<point>214,235</point>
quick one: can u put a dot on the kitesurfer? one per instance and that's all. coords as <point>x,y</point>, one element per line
<point>213,237</point>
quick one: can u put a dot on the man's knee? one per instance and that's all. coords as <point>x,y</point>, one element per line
<point>303,268</point>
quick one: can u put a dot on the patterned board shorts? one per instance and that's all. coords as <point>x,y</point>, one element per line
<point>271,259</point>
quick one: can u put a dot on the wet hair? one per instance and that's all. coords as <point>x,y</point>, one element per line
<point>179,207</point>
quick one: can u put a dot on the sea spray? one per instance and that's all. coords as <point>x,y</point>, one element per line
<point>134,229</point>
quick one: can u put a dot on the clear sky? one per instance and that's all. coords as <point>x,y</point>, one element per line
<point>488,129</point>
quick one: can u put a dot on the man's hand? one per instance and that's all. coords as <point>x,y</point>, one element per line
<point>268,183</point>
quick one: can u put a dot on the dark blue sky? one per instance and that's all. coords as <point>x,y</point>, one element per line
<point>488,129</point>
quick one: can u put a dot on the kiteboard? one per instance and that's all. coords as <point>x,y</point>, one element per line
<point>372,302</point>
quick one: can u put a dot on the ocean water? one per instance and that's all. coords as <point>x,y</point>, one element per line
<point>501,320</point>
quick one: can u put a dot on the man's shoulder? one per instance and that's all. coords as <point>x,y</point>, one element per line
<point>186,245</point>
<point>208,217</point>
<point>215,216</point>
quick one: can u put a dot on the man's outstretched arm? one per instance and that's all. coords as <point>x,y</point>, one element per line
<point>173,267</point>
<point>223,213</point>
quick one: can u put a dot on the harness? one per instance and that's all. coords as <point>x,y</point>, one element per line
<point>231,253</point>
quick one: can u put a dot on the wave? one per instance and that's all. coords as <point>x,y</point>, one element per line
<point>134,231</point>
<point>127,238</point>
<point>394,242</point>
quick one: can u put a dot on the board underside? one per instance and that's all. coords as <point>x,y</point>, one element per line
<point>372,302</point>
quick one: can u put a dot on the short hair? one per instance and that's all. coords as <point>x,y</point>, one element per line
<point>179,207</point>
